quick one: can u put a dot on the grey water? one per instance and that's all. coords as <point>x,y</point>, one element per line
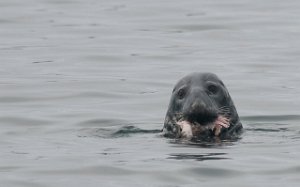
<point>85,84</point>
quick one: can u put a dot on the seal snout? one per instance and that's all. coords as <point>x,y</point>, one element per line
<point>199,107</point>
<point>201,113</point>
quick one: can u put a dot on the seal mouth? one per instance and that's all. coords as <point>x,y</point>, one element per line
<point>189,130</point>
<point>195,124</point>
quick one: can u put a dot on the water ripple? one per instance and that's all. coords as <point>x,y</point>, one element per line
<point>198,157</point>
<point>101,95</point>
<point>20,121</point>
<point>203,27</point>
<point>128,130</point>
<point>107,122</point>
<point>110,131</point>
<point>264,118</point>
<point>92,170</point>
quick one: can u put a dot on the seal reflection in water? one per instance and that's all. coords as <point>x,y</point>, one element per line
<point>201,108</point>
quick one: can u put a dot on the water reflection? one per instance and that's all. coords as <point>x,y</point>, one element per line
<point>198,157</point>
<point>214,142</point>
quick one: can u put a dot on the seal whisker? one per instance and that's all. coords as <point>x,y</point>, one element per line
<point>224,110</point>
<point>223,107</point>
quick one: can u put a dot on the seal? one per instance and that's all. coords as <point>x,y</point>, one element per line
<point>201,108</point>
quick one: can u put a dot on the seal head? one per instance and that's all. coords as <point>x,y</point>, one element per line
<point>201,107</point>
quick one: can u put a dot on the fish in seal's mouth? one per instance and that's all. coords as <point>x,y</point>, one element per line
<point>188,130</point>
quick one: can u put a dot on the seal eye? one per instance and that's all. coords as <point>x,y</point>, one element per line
<point>212,89</point>
<point>181,93</point>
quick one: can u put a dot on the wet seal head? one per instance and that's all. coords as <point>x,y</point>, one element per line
<point>201,107</point>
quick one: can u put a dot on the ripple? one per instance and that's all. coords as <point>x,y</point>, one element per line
<point>113,132</point>
<point>12,99</point>
<point>267,127</point>
<point>198,27</point>
<point>17,99</point>
<point>214,172</point>
<point>264,118</point>
<point>5,21</point>
<point>290,170</point>
<point>102,122</point>
<point>128,130</point>
<point>198,157</point>
<point>8,168</point>
<point>205,143</point>
<point>20,121</point>
<point>267,130</point>
<point>92,170</point>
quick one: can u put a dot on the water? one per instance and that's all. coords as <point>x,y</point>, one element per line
<point>85,86</point>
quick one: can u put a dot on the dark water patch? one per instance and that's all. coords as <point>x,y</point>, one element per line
<point>107,154</point>
<point>95,132</point>
<point>216,143</point>
<point>129,130</point>
<point>147,92</point>
<point>295,138</point>
<point>198,157</point>
<point>269,118</point>
<point>44,61</point>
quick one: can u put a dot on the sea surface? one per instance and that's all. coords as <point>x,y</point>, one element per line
<point>85,85</point>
